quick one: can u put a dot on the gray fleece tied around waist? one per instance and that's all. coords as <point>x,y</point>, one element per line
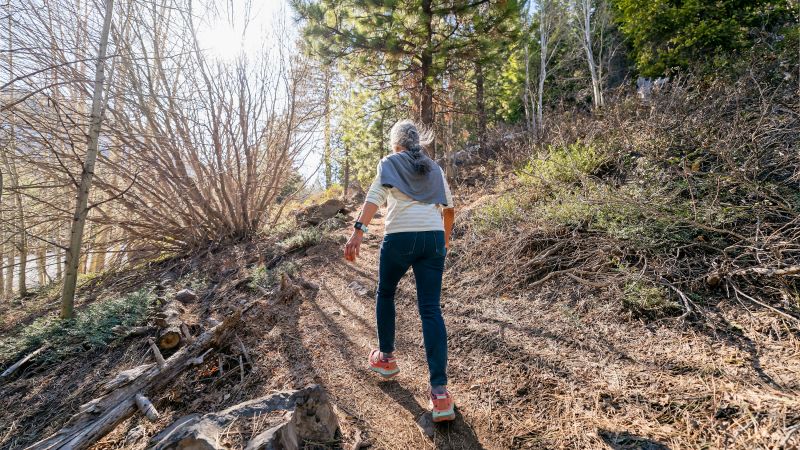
<point>397,170</point>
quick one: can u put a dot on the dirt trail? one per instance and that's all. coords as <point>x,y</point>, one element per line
<point>338,332</point>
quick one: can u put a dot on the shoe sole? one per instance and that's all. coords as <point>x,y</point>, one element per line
<point>385,374</point>
<point>444,416</point>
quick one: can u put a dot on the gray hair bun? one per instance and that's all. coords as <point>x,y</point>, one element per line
<point>406,134</point>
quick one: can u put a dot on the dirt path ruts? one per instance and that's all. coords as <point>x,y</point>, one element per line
<point>339,331</point>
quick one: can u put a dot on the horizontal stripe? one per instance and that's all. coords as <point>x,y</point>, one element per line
<point>404,213</point>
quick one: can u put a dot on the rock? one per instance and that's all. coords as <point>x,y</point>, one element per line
<point>355,193</point>
<point>186,296</point>
<point>315,214</point>
<point>358,288</point>
<point>308,416</point>
<point>334,223</point>
<point>426,425</point>
<point>134,435</point>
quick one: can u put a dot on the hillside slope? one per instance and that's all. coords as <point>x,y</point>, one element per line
<point>551,364</point>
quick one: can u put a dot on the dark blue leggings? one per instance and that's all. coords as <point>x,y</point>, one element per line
<point>424,251</point>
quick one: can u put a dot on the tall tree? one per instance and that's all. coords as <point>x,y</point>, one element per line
<point>589,19</point>
<point>546,29</point>
<point>407,41</point>
<point>326,152</point>
<point>82,202</point>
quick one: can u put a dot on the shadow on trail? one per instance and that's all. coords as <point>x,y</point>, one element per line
<point>457,434</point>
<point>626,441</point>
<point>724,332</point>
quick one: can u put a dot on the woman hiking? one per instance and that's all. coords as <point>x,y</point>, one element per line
<point>417,235</point>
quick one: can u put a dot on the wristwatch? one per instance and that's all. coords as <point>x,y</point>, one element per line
<point>360,226</point>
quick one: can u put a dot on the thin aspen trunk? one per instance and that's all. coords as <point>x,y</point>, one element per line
<point>586,10</point>
<point>10,272</point>
<point>2,275</point>
<point>100,250</point>
<point>22,281</point>
<point>346,171</point>
<point>22,242</point>
<point>326,155</point>
<point>57,256</point>
<point>527,97</point>
<point>81,208</point>
<point>544,42</point>
<point>41,264</point>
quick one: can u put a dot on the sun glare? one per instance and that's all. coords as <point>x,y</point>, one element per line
<point>222,41</point>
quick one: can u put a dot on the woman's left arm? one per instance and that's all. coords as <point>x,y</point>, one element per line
<point>376,196</point>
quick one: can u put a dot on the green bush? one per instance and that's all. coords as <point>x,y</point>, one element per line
<point>304,238</point>
<point>269,278</point>
<point>504,211</point>
<point>648,300</point>
<point>90,329</point>
<point>566,165</point>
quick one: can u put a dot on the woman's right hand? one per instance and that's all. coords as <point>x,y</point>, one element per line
<point>353,244</point>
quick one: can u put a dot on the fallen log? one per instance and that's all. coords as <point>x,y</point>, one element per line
<point>99,416</point>
<point>10,371</point>
<point>124,332</point>
<point>169,323</point>
<point>307,416</point>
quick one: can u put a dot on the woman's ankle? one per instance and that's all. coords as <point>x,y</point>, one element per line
<point>438,389</point>
<point>387,355</point>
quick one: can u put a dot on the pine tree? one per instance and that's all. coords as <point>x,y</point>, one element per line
<point>405,43</point>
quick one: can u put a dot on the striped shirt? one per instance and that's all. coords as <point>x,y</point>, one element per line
<point>404,213</point>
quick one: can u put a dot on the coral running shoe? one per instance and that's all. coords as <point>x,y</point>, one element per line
<point>385,367</point>
<point>442,407</point>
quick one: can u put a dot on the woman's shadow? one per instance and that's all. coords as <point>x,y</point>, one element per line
<point>456,434</point>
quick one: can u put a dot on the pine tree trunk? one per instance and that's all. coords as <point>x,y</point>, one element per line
<point>480,106</point>
<point>81,207</point>
<point>426,67</point>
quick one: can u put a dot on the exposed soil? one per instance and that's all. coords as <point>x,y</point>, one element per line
<point>556,366</point>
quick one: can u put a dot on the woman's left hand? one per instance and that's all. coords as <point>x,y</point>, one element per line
<point>353,244</point>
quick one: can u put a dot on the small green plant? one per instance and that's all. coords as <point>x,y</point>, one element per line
<point>567,165</point>
<point>503,211</point>
<point>304,238</point>
<point>90,329</point>
<point>267,279</point>
<point>648,300</point>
